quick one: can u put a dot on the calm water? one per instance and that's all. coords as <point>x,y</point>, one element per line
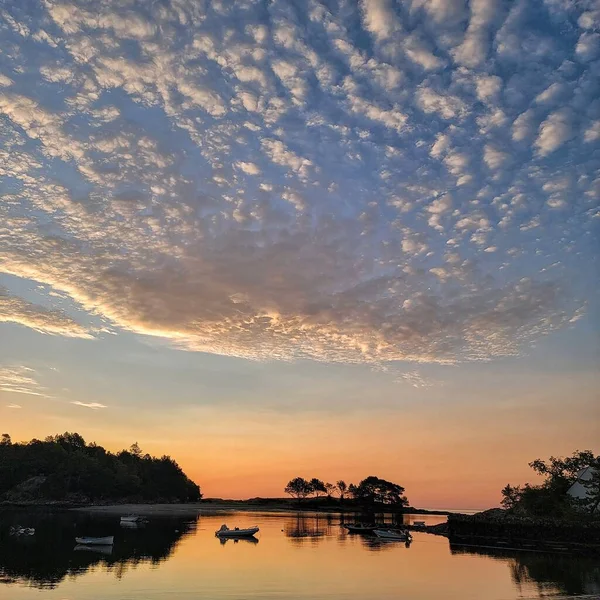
<point>296,556</point>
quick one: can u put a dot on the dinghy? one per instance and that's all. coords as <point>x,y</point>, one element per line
<point>96,541</point>
<point>224,531</point>
<point>132,519</point>
<point>389,534</point>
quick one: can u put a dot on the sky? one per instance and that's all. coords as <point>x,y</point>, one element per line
<point>277,238</point>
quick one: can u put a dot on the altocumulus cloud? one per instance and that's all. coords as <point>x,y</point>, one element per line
<point>323,180</point>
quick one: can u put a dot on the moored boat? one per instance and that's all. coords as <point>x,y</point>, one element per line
<point>224,531</point>
<point>360,528</point>
<point>390,534</point>
<point>132,519</point>
<point>96,541</point>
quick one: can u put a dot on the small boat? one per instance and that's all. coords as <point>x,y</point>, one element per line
<point>224,531</point>
<point>96,541</point>
<point>389,534</point>
<point>419,523</point>
<point>132,519</point>
<point>360,528</point>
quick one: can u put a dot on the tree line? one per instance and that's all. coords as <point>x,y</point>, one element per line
<point>371,490</point>
<point>64,467</point>
<point>551,497</point>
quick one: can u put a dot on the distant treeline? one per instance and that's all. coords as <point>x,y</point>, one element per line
<point>65,468</point>
<point>370,491</point>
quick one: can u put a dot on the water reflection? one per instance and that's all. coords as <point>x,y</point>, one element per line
<point>46,558</point>
<point>302,527</point>
<point>244,540</point>
<point>300,556</point>
<point>383,520</point>
<point>549,573</point>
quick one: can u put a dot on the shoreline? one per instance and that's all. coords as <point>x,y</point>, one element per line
<point>210,506</point>
<point>199,508</point>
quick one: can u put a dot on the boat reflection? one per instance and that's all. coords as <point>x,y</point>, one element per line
<point>249,540</point>
<point>46,559</point>
<point>106,550</point>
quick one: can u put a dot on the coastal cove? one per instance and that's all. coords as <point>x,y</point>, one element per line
<point>177,555</point>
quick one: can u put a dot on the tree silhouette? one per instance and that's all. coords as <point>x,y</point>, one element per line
<point>330,489</point>
<point>551,497</point>
<point>63,467</point>
<point>373,490</point>
<point>318,487</point>
<point>298,488</point>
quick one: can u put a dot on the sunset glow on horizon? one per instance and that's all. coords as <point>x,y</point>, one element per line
<point>327,239</point>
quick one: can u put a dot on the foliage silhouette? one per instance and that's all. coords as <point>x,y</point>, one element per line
<point>64,468</point>
<point>551,498</point>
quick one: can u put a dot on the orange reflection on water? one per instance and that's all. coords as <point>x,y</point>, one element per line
<point>303,556</point>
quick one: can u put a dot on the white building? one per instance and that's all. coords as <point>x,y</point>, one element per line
<point>578,490</point>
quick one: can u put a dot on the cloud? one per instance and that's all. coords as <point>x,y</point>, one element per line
<point>334,187</point>
<point>446,105</point>
<point>13,406</point>
<point>17,310</point>
<point>440,205</point>
<point>488,88</point>
<point>554,132</point>
<point>588,46</point>
<point>419,53</point>
<point>21,380</point>
<point>414,378</point>
<point>493,157</point>
<point>523,126</point>
<point>474,48</point>
<point>92,405</point>
<point>378,18</point>
<point>592,133</point>
<point>249,168</point>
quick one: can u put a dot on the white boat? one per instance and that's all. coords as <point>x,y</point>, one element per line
<point>224,531</point>
<point>131,519</point>
<point>389,534</point>
<point>96,541</point>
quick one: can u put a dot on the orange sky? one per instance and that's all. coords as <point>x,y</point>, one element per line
<point>456,454</point>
